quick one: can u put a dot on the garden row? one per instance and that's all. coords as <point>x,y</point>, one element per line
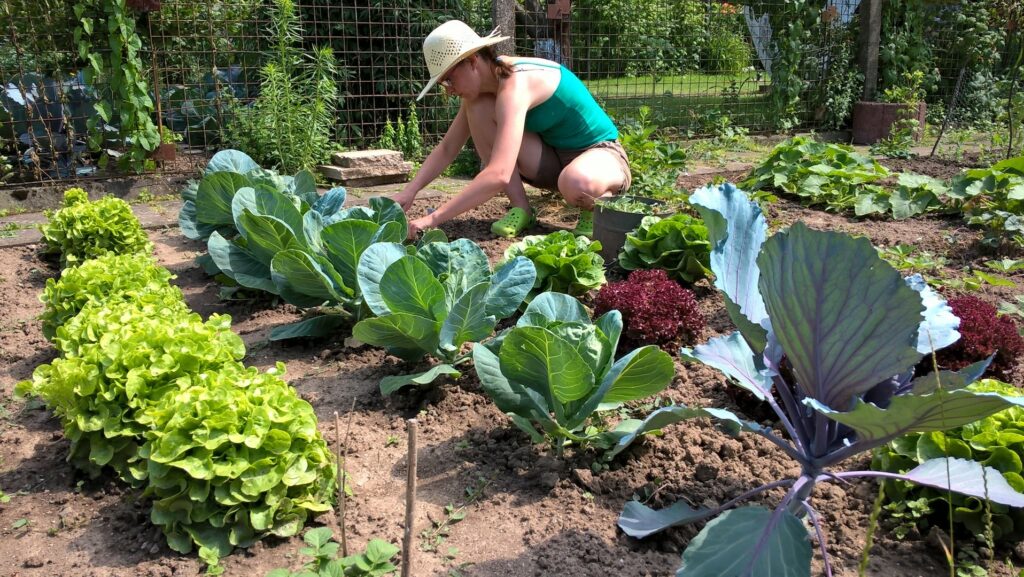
<point>134,399</point>
<point>146,388</point>
<point>839,384</point>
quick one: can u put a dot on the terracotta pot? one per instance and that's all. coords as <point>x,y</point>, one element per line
<point>611,227</point>
<point>165,152</point>
<point>872,121</point>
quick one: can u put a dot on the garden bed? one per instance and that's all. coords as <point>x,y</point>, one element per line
<point>526,512</point>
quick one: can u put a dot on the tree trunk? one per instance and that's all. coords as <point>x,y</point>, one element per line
<point>503,13</point>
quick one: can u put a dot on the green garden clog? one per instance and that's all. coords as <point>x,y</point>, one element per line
<point>585,225</point>
<point>513,223</point>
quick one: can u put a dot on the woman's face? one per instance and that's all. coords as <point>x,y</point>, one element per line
<point>459,80</point>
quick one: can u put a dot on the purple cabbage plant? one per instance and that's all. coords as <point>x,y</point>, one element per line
<point>829,335</point>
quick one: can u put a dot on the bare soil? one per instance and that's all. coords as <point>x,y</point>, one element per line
<point>535,515</point>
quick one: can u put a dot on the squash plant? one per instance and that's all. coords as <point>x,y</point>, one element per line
<point>829,335</point>
<point>434,301</point>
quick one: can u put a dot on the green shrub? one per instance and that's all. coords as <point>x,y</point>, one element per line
<point>726,53</point>
<point>82,230</point>
<point>655,163</point>
<point>98,280</point>
<point>995,441</point>
<point>119,358</point>
<point>290,124</point>
<point>233,454</point>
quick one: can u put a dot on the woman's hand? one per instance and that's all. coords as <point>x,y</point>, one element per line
<point>419,225</point>
<point>405,199</point>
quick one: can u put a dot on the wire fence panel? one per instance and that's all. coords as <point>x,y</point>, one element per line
<point>700,66</point>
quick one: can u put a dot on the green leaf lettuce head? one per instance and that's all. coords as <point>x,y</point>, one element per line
<point>82,230</point>
<point>565,263</point>
<point>996,441</point>
<point>678,244</point>
<point>234,454</point>
<point>108,277</point>
<point>117,360</point>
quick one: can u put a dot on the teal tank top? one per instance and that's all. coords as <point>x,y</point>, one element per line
<point>570,119</point>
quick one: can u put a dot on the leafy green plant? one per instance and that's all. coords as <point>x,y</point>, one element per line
<point>828,336</point>
<point>119,358</point>
<point>100,280</point>
<point>910,90</point>
<point>232,454</point>
<point>655,309</point>
<point>678,244</point>
<point>434,301</point>
<point>655,163</point>
<point>565,263</point>
<point>993,199</point>
<point>631,204</point>
<point>556,369</point>
<point>207,203</point>
<point>323,552</point>
<point>817,173</point>
<point>120,78</point>
<point>168,136</point>
<point>289,125</point>
<point>908,258</point>
<point>307,255</point>
<point>914,194</point>
<point>992,441</point>
<point>900,140</point>
<point>81,229</point>
<point>406,138</point>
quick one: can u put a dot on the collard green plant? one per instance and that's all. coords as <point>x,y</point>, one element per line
<point>993,199</point>
<point>100,280</point>
<point>829,335</point>
<point>81,229</point>
<point>323,553</point>
<point>994,441</point>
<point>817,173</point>
<point>119,358</point>
<point>677,244</point>
<point>233,454</point>
<point>434,301</point>
<point>556,369</point>
<point>565,263</point>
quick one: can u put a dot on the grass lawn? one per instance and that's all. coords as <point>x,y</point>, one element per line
<point>686,84</point>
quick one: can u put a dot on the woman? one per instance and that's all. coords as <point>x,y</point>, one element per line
<point>531,120</point>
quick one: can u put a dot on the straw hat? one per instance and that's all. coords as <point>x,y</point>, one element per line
<point>448,44</point>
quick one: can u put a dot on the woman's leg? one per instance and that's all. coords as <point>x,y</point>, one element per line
<point>594,174</point>
<point>482,128</point>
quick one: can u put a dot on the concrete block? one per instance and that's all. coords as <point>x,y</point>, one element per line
<point>364,158</point>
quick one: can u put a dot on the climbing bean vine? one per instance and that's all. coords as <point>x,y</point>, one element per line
<point>109,44</point>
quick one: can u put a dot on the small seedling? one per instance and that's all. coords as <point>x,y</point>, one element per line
<point>19,523</point>
<point>392,441</point>
<point>435,536</point>
<point>323,551</point>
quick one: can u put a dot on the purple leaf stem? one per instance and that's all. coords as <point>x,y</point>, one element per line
<point>787,448</point>
<point>794,424</point>
<point>821,536</point>
<point>848,451</point>
<point>796,489</point>
<point>743,497</point>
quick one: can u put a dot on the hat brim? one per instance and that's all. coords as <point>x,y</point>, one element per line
<point>485,42</point>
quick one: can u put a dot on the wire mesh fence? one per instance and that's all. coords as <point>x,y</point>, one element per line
<point>699,65</point>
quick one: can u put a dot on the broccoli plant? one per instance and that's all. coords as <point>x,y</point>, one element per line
<point>828,336</point>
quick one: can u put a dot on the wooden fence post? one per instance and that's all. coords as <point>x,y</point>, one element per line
<point>868,40</point>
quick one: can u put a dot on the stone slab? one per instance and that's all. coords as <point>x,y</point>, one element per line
<point>381,174</point>
<point>365,158</point>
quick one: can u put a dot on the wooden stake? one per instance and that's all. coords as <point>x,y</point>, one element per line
<point>410,501</point>
<point>344,478</point>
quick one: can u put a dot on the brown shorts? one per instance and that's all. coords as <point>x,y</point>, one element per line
<point>553,161</point>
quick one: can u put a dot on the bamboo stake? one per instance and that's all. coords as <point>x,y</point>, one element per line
<point>410,501</point>
<point>344,478</point>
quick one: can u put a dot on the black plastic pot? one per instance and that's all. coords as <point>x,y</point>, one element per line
<point>611,226</point>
